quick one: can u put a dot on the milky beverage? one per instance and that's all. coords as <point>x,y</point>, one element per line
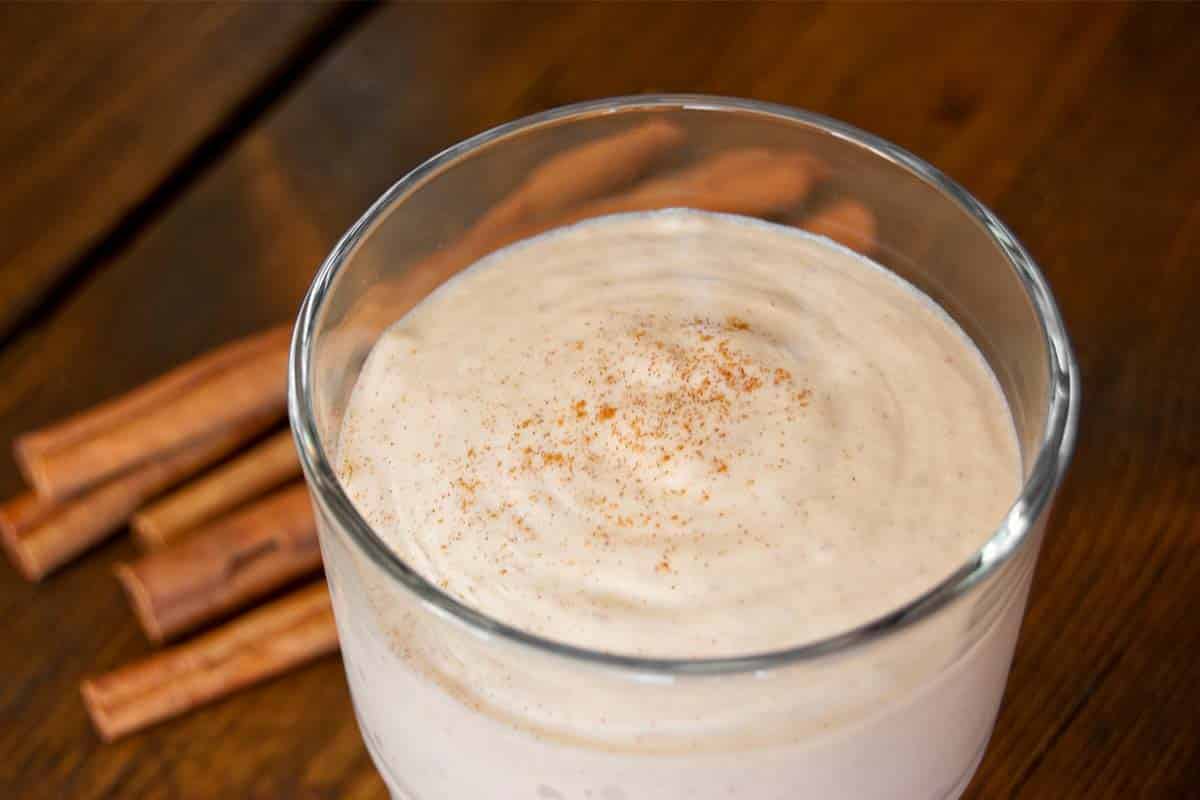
<point>676,435</point>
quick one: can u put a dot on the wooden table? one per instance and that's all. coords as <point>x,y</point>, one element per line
<point>172,177</point>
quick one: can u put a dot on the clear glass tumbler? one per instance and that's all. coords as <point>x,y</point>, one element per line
<point>454,704</point>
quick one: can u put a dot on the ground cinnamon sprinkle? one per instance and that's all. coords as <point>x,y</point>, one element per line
<point>664,394</point>
<point>665,467</point>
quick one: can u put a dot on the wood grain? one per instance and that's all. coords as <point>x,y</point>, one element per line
<point>1077,123</point>
<point>100,105</point>
<point>1126,288</point>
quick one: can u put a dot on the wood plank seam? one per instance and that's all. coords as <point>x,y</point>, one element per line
<point>210,150</point>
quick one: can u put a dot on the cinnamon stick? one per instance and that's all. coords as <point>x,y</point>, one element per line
<point>254,647</point>
<point>224,567</point>
<point>41,535</point>
<point>580,173</point>
<point>262,468</point>
<point>847,222</point>
<point>750,181</point>
<point>23,513</point>
<point>203,398</point>
<point>18,517</point>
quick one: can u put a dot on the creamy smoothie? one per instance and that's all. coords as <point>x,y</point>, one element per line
<point>677,435</point>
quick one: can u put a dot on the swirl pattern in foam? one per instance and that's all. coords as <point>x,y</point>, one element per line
<point>681,435</point>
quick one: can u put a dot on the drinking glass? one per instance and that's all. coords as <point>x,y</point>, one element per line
<point>454,704</point>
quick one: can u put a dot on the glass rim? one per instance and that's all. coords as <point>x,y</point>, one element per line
<point>1052,457</point>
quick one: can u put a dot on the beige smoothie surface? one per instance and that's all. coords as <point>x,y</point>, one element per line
<point>679,434</point>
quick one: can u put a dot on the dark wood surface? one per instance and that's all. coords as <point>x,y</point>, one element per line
<point>1078,124</point>
<point>107,109</point>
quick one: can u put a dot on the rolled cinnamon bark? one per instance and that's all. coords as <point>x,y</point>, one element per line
<point>253,473</point>
<point>578,174</point>
<point>23,513</point>
<point>201,399</point>
<point>845,221</point>
<point>254,647</point>
<point>750,181</point>
<point>18,517</point>
<point>224,567</point>
<point>41,535</point>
